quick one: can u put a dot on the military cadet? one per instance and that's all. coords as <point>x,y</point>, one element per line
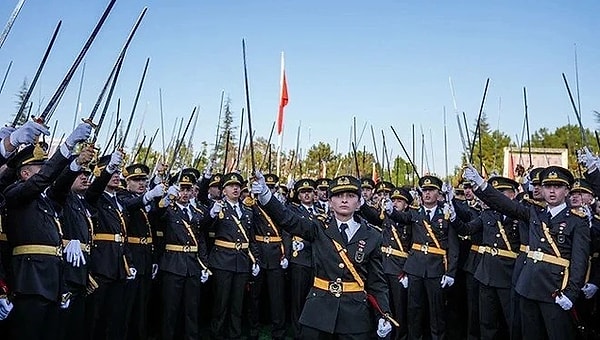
<point>499,249</point>
<point>464,295</point>
<point>183,264</point>
<point>273,261</point>
<point>432,261</point>
<point>559,242</point>
<point>301,261</point>
<point>137,200</point>
<point>35,234</point>
<point>367,185</point>
<point>344,280</point>
<point>233,256</point>
<point>111,263</point>
<point>396,243</point>
<point>77,227</point>
<point>322,199</point>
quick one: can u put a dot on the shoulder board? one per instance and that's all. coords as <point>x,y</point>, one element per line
<point>294,204</point>
<point>414,207</point>
<point>379,229</point>
<point>577,212</point>
<point>323,218</point>
<point>597,217</point>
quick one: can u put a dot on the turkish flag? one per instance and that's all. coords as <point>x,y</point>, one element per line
<point>283,99</point>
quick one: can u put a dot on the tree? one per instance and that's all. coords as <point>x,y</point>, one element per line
<point>21,94</point>
<point>488,156</point>
<point>227,137</point>
<point>567,137</point>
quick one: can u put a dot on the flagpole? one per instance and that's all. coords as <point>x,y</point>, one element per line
<point>280,115</point>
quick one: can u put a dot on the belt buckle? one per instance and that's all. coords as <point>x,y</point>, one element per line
<point>59,251</point>
<point>425,248</point>
<point>143,240</point>
<point>118,238</point>
<point>537,256</point>
<point>238,245</point>
<point>335,288</point>
<point>86,248</point>
<point>267,239</point>
<point>388,250</point>
<point>494,251</point>
<point>187,249</point>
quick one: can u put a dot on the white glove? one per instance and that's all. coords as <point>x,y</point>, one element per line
<point>449,191</point>
<point>5,131</point>
<point>27,133</point>
<point>157,191</point>
<point>116,159</point>
<point>404,281</point>
<point>389,206</point>
<point>563,301</point>
<point>447,281</point>
<point>81,133</point>
<point>470,174</point>
<point>384,327</point>
<point>204,276</point>
<point>73,253</point>
<point>297,245</point>
<point>284,263</point>
<point>65,301</point>
<point>586,158</point>
<point>173,191</point>
<point>449,211</point>
<point>260,188</point>
<point>290,184</point>
<point>207,173</point>
<point>154,270</point>
<point>216,209</point>
<point>255,270</point>
<point>5,307</point>
<point>589,289</point>
<point>132,273</point>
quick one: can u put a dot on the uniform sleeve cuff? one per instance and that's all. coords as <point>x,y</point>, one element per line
<point>64,150</point>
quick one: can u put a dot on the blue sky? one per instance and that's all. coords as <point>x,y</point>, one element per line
<point>385,62</point>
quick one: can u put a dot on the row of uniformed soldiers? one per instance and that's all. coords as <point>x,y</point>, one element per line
<point>130,250</point>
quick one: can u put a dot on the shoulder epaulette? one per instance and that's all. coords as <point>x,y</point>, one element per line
<point>597,217</point>
<point>294,204</point>
<point>323,218</point>
<point>379,229</point>
<point>534,202</point>
<point>578,212</point>
<point>415,207</point>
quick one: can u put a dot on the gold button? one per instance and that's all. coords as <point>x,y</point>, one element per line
<point>543,239</point>
<point>497,235</point>
<point>341,265</point>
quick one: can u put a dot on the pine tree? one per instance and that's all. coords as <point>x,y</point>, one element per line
<point>20,98</point>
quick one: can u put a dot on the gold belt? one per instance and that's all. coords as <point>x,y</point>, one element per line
<point>37,249</point>
<point>425,248</point>
<point>524,248</point>
<point>337,287</point>
<point>268,239</point>
<point>3,237</point>
<point>84,246</point>
<point>391,251</point>
<point>500,252</point>
<point>543,257</point>
<point>232,245</point>
<point>139,240</point>
<point>478,249</point>
<point>181,249</point>
<point>109,237</point>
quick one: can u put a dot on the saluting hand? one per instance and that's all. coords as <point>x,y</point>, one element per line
<point>260,188</point>
<point>116,160</point>
<point>27,133</point>
<point>472,175</point>
<point>81,133</point>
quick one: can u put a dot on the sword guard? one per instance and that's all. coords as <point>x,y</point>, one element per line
<point>89,121</point>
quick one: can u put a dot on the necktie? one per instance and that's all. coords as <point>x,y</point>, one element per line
<point>236,208</point>
<point>428,212</point>
<point>310,210</point>
<point>116,202</point>
<point>186,211</point>
<point>343,228</point>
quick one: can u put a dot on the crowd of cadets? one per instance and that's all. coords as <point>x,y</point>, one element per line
<point>136,253</point>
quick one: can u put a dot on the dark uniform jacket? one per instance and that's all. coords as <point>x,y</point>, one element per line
<point>350,312</point>
<point>77,224</point>
<point>429,265</point>
<point>304,256</point>
<point>138,226</point>
<point>271,253</point>
<point>227,229</point>
<point>109,259</point>
<point>494,270</point>
<point>32,219</point>
<point>394,236</point>
<point>468,259</point>
<point>569,231</point>
<point>183,231</point>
